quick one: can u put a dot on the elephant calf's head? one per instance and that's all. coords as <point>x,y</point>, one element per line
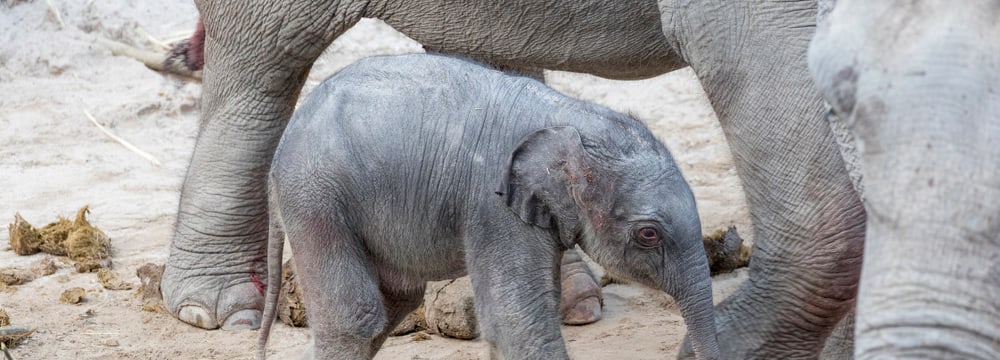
<point>618,194</point>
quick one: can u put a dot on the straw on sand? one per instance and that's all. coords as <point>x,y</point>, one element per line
<point>124,143</point>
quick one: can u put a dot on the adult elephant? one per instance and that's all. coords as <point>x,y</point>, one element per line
<point>918,85</point>
<point>749,56</point>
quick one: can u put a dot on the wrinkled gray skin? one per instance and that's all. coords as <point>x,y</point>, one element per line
<point>257,55</point>
<point>749,56</point>
<point>918,85</point>
<point>406,169</point>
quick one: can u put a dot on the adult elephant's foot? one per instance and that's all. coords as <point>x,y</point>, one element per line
<point>229,301</point>
<point>213,282</point>
<point>581,293</point>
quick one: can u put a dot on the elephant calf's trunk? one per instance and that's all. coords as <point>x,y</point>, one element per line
<point>697,309</point>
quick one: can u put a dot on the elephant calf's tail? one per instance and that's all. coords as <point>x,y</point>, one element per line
<point>275,248</point>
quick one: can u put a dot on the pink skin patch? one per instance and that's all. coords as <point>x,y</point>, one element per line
<point>260,261</point>
<point>255,279</point>
<point>196,48</point>
<point>191,51</point>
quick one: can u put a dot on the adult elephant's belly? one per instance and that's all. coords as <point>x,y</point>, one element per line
<point>613,39</point>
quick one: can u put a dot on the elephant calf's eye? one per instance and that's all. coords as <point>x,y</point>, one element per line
<point>648,237</point>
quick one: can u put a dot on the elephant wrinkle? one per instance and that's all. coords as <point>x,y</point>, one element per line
<point>747,55</point>
<point>925,105</point>
<point>260,54</point>
<point>510,247</point>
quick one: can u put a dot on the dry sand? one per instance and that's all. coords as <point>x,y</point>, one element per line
<point>53,161</point>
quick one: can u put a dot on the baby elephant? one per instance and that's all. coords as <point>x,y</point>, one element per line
<point>405,169</point>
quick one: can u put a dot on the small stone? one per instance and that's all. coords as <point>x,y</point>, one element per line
<point>109,342</point>
<point>88,314</point>
<point>10,335</point>
<point>72,295</point>
<point>4,318</point>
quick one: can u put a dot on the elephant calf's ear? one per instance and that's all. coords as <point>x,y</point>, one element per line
<point>537,178</point>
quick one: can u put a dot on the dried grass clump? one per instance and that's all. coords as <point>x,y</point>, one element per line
<point>86,245</point>
<point>11,276</point>
<point>291,307</point>
<point>111,281</point>
<point>72,295</point>
<point>24,239</point>
<point>726,251</point>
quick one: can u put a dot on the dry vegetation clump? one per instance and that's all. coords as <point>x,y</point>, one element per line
<point>111,281</point>
<point>291,307</point>
<point>14,276</point>
<point>726,251</point>
<point>11,276</point>
<point>86,245</point>
<point>73,295</point>
<point>150,275</point>
<point>24,239</point>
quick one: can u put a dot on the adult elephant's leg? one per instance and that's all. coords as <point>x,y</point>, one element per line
<point>919,84</point>
<point>808,220</point>
<point>580,299</point>
<point>257,55</point>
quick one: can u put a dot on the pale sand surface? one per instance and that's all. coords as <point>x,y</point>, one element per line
<point>53,160</point>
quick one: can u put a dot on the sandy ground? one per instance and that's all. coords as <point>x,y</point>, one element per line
<point>53,160</point>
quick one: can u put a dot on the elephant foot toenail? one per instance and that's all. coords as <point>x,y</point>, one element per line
<point>197,316</point>
<point>243,320</point>
<point>585,311</point>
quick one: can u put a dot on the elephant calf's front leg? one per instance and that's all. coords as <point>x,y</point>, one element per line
<point>517,298</point>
